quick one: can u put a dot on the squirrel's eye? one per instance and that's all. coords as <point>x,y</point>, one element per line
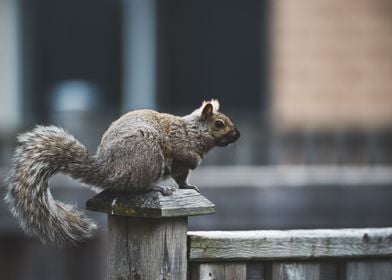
<point>219,124</point>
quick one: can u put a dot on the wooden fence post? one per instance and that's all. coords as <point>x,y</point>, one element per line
<point>148,232</point>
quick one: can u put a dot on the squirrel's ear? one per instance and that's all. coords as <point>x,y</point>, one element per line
<point>207,111</point>
<point>215,104</point>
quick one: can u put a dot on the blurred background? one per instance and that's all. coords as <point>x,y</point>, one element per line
<point>308,83</point>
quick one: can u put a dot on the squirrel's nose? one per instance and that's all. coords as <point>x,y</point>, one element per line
<point>235,134</point>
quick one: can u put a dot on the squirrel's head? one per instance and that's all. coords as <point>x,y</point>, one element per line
<point>220,127</point>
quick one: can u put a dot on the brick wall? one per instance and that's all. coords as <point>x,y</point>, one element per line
<point>332,64</point>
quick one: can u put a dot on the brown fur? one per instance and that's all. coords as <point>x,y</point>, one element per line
<point>136,152</point>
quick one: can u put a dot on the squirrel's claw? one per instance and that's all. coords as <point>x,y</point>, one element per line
<point>190,187</point>
<point>165,190</point>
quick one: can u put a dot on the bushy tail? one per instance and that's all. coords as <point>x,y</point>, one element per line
<point>42,153</point>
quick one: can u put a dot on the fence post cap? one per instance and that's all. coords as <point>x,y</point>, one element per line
<point>181,203</point>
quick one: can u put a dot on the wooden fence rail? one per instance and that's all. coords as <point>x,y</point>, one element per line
<point>341,254</point>
<point>147,240</point>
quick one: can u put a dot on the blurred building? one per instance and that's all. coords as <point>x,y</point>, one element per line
<point>307,82</point>
<point>331,96</point>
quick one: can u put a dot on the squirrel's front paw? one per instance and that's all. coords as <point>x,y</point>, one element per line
<point>190,187</point>
<point>165,190</point>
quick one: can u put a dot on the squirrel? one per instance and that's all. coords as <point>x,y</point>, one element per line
<point>138,150</point>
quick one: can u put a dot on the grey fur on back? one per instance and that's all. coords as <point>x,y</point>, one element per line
<point>135,153</point>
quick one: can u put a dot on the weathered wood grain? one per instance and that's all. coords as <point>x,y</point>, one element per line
<point>291,244</point>
<point>118,258</point>
<point>144,248</point>
<point>230,270</point>
<point>369,270</point>
<point>151,205</point>
<point>147,249</point>
<point>219,271</point>
<point>303,271</point>
<point>255,271</point>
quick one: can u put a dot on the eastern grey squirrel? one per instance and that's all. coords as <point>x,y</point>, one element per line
<point>136,152</point>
